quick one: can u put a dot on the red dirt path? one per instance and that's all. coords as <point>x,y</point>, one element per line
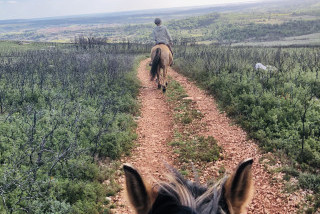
<point>155,130</point>
<point>268,198</point>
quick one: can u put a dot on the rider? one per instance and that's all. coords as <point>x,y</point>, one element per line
<point>161,34</point>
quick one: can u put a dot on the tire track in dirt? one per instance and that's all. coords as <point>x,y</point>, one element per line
<point>268,197</point>
<point>154,131</point>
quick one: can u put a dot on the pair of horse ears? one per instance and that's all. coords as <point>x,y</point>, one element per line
<point>238,189</point>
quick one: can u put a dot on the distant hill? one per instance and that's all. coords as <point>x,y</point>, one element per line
<point>227,24</point>
<point>130,17</point>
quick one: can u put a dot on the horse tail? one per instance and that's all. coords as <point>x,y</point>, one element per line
<point>155,63</point>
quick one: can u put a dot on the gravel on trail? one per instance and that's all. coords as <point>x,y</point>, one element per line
<point>155,129</point>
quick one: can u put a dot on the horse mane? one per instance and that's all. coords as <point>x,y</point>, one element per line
<point>155,63</point>
<point>198,198</point>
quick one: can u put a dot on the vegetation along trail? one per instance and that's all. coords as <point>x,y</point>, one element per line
<point>268,196</point>
<point>155,129</point>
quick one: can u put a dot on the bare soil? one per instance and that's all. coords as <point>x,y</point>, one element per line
<point>155,129</point>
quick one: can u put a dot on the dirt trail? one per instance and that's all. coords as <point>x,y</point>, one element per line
<point>155,130</point>
<point>268,198</point>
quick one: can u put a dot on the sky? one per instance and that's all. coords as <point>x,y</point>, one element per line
<point>25,9</point>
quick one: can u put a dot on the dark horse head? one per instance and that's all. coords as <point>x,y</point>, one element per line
<point>230,195</point>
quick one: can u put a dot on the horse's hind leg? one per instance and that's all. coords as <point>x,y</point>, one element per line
<point>158,77</point>
<point>164,79</point>
<point>164,89</point>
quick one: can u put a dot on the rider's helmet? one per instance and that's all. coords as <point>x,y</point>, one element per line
<point>157,21</point>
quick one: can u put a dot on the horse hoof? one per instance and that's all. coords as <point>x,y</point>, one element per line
<point>166,84</point>
<point>159,86</point>
<point>164,89</point>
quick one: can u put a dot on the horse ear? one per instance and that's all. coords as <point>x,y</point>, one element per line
<point>239,187</point>
<point>139,193</point>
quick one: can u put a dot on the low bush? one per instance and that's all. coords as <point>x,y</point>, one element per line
<point>63,111</point>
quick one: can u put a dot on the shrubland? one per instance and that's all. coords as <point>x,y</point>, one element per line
<point>279,107</point>
<point>66,112</point>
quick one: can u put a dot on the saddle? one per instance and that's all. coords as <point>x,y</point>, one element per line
<point>162,43</point>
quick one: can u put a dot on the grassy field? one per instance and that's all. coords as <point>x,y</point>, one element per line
<point>310,39</point>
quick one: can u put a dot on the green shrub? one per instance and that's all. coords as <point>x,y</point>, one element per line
<point>310,181</point>
<point>280,109</point>
<point>63,110</point>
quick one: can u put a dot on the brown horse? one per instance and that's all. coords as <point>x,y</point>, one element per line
<point>230,195</point>
<point>161,58</point>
